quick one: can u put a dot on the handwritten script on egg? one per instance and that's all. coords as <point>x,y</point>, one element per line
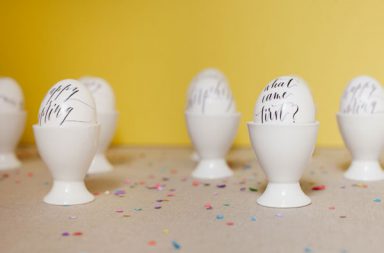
<point>57,105</point>
<point>360,98</point>
<point>275,102</point>
<point>11,101</point>
<point>219,93</point>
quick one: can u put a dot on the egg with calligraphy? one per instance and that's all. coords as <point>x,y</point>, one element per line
<point>209,96</point>
<point>207,73</point>
<point>68,103</point>
<point>285,100</point>
<point>11,95</point>
<point>102,93</point>
<point>363,95</point>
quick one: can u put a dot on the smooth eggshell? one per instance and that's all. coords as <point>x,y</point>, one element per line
<point>68,103</point>
<point>363,95</point>
<point>102,93</point>
<point>210,95</point>
<point>11,95</point>
<point>285,100</point>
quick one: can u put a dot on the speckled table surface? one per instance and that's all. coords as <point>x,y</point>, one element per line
<point>149,203</point>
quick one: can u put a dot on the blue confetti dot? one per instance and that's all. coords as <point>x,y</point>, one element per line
<point>176,245</point>
<point>253,218</point>
<point>219,217</point>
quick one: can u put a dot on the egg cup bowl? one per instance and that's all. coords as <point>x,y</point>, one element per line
<point>11,128</point>
<point>68,153</point>
<point>283,152</point>
<point>212,137</point>
<point>100,163</point>
<point>364,137</point>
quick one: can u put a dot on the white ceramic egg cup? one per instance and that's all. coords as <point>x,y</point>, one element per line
<point>68,152</point>
<point>364,137</point>
<point>11,128</point>
<point>100,163</point>
<point>212,137</point>
<point>283,151</point>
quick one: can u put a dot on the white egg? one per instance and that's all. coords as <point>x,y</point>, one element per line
<point>363,95</point>
<point>11,95</point>
<point>68,103</point>
<point>285,100</point>
<point>210,95</point>
<point>102,93</point>
<point>208,72</point>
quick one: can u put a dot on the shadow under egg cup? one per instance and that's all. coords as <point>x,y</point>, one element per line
<point>283,152</point>
<point>212,137</point>
<point>11,128</point>
<point>364,137</point>
<point>68,152</point>
<point>100,163</point>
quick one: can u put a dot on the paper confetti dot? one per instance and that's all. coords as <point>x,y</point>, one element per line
<point>360,185</point>
<point>318,188</point>
<point>166,231</point>
<point>243,189</point>
<point>221,185</point>
<point>219,217</point>
<point>176,245</point>
<point>72,217</point>
<point>377,200</point>
<point>119,210</point>
<point>195,183</point>
<point>253,189</point>
<point>331,208</point>
<point>152,243</point>
<point>279,215</point>
<point>307,250</point>
<point>230,223</point>
<point>253,218</point>
<point>65,234</point>
<point>343,216</point>
<point>77,233</point>
<point>208,206</point>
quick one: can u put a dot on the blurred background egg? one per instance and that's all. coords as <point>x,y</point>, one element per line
<point>285,100</point>
<point>210,95</point>
<point>68,103</point>
<point>11,95</point>
<point>363,95</point>
<point>207,73</point>
<point>102,93</point>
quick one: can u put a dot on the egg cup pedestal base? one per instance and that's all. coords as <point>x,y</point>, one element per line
<point>284,195</point>
<point>212,169</point>
<point>100,164</point>
<point>68,193</point>
<point>365,171</point>
<point>9,161</point>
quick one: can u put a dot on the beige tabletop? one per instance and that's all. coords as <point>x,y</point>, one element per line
<point>149,203</point>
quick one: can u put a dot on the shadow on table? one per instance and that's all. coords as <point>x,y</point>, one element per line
<point>102,183</point>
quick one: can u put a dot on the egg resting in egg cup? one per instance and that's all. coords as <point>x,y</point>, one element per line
<point>212,137</point>
<point>283,152</point>
<point>364,137</point>
<point>100,163</point>
<point>68,153</point>
<point>11,129</point>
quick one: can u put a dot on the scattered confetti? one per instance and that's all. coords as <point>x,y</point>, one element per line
<point>377,200</point>
<point>126,215</point>
<point>343,216</point>
<point>119,210</point>
<point>230,223</point>
<point>226,205</point>
<point>195,183</point>
<point>219,217</point>
<point>307,250</point>
<point>152,243</point>
<point>157,205</point>
<point>279,215</point>
<point>137,209</point>
<point>221,185</point>
<point>65,234</point>
<point>318,188</point>
<point>331,208</point>
<point>166,231</point>
<point>253,218</point>
<point>119,192</point>
<point>77,233</point>
<point>243,189</point>
<point>360,185</point>
<point>176,245</point>
<point>253,189</point>
<point>208,206</point>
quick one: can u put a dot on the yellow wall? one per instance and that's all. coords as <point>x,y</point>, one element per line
<point>149,51</point>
